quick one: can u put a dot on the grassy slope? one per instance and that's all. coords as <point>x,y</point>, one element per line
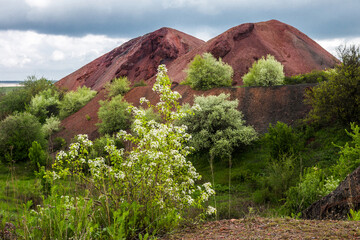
<point>249,166</point>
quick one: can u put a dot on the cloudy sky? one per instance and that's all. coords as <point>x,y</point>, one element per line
<point>52,38</point>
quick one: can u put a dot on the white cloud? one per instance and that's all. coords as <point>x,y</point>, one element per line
<point>38,3</point>
<point>332,44</point>
<point>51,56</point>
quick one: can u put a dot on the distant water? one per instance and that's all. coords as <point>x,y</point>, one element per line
<point>10,83</point>
<point>7,83</point>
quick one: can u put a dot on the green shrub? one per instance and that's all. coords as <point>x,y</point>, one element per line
<point>45,104</point>
<point>338,99</point>
<point>118,86</point>
<point>279,176</point>
<point>51,125</point>
<point>281,140</point>
<point>315,76</point>
<point>265,72</point>
<point>17,100</point>
<point>99,145</point>
<point>349,155</point>
<point>59,143</point>
<point>206,72</point>
<point>17,132</point>
<point>217,125</point>
<point>114,115</point>
<point>73,101</point>
<point>313,185</point>
<point>37,156</point>
<point>140,83</point>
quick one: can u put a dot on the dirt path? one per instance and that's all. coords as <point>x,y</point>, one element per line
<point>270,228</point>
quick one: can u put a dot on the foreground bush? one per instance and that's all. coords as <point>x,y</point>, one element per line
<point>17,132</point>
<point>74,100</point>
<point>143,192</point>
<point>265,72</point>
<point>206,72</point>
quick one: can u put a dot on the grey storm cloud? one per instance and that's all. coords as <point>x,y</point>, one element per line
<point>317,18</point>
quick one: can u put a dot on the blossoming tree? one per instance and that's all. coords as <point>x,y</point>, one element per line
<point>152,182</point>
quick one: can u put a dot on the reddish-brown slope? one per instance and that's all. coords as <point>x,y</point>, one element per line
<point>240,46</point>
<point>137,59</point>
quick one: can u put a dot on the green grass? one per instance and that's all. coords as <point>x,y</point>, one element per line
<point>7,89</point>
<point>17,186</point>
<point>249,167</point>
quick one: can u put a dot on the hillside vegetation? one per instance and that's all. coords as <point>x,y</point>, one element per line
<point>168,165</point>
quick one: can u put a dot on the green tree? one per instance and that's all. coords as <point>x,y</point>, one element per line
<point>45,104</point>
<point>17,132</point>
<point>206,72</point>
<point>74,100</point>
<point>217,125</point>
<point>118,86</point>
<point>265,72</point>
<point>114,115</point>
<point>338,99</point>
<point>18,99</point>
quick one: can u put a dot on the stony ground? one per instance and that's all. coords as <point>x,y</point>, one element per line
<point>270,228</point>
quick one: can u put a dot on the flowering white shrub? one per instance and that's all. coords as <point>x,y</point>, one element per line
<point>154,174</point>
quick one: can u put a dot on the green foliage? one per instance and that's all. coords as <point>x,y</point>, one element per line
<point>18,99</point>
<point>206,72</point>
<point>99,145</point>
<point>61,217</point>
<point>51,125</point>
<point>338,99</point>
<point>312,186</point>
<point>118,86</point>
<point>354,215</point>
<point>279,176</point>
<point>59,143</point>
<point>265,72</point>
<point>315,76</point>
<point>144,191</point>
<point>17,132</point>
<point>140,83</point>
<point>281,140</point>
<point>114,115</point>
<point>218,126</point>
<point>349,155</point>
<point>45,104</point>
<point>74,100</point>
<point>37,156</point>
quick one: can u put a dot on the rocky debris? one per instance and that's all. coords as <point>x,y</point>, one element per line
<point>337,204</point>
<point>137,59</point>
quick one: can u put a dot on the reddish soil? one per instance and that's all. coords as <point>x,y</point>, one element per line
<point>137,59</point>
<point>270,228</point>
<point>242,45</point>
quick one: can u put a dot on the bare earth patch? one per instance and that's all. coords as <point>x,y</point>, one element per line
<point>270,228</point>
